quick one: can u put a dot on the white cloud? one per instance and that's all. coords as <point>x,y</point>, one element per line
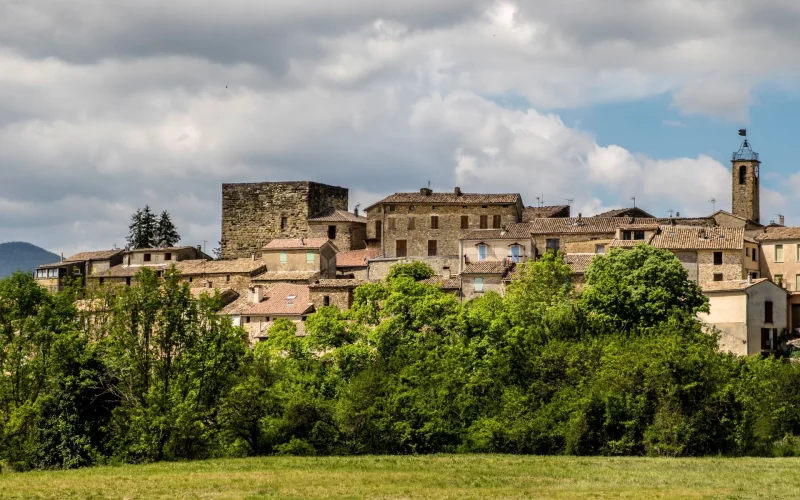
<point>106,106</point>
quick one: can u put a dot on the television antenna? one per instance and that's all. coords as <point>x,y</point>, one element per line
<point>569,201</point>
<point>713,202</point>
<point>634,201</point>
<point>671,211</point>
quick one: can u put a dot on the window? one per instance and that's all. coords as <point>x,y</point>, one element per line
<point>484,222</point>
<point>167,256</point>
<point>779,279</point>
<point>765,338</point>
<point>190,279</point>
<point>412,223</point>
<point>465,222</point>
<point>392,208</point>
<point>411,208</point>
<point>283,257</point>
<point>747,251</point>
<point>326,300</point>
<point>515,253</point>
<point>797,282</point>
<point>798,253</point>
<point>768,311</point>
<point>392,224</point>
<point>148,257</point>
<point>400,248</point>
<point>247,319</point>
<point>600,249</point>
<point>742,174</point>
<point>378,229</point>
<point>102,280</point>
<point>434,207</point>
<point>626,235</point>
<point>778,253</point>
<point>754,255</point>
<point>52,273</point>
<point>40,273</point>
<point>638,235</point>
<point>160,274</point>
<point>228,278</point>
<point>717,258</point>
<point>309,257</point>
<point>434,222</point>
<point>128,280</point>
<point>552,245</point>
<point>717,276</point>
<point>496,222</point>
<point>331,232</point>
<point>478,282</point>
<point>284,223</point>
<point>431,248</point>
<point>481,252</point>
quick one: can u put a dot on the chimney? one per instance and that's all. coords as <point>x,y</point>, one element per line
<point>355,211</point>
<point>254,256</point>
<point>256,294</point>
<point>199,248</point>
<point>62,256</point>
<point>457,191</point>
<point>677,214</point>
<point>781,219</point>
<point>425,191</point>
<point>446,273</point>
<point>749,279</point>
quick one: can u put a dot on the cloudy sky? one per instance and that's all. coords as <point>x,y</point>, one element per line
<point>108,105</point>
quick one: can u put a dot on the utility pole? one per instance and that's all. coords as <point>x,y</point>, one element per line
<point>713,202</point>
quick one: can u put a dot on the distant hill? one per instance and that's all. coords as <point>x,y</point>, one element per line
<point>24,256</point>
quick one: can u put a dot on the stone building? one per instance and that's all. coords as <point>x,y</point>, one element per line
<point>157,259</point>
<point>236,274</point>
<point>338,292</point>
<point>633,212</point>
<point>780,261</point>
<point>480,277</point>
<point>348,231</point>
<point>578,234</point>
<point>513,244</point>
<point>746,185</point>
<point>750,315</point>
<point>315,255</point>
<point>257,310</point>
<point>78,268</point>
<point>254,214</point>
<point>428,224</point>
<point>354,263</point>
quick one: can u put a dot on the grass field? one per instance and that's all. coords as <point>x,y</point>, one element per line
<point>440,476</point>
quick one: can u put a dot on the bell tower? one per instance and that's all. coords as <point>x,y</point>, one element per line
<point>745,201</point>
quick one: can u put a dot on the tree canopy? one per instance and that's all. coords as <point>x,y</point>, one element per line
<point>148,231</point>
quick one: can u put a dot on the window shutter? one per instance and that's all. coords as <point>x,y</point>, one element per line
<point>465,222</point>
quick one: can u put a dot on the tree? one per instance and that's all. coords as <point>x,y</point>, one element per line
<point>640,287</point>
<point>166,234</point>
<point>142,229</point>
<point>417,270</point>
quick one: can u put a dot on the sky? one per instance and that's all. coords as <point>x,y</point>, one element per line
<point>106,106</point>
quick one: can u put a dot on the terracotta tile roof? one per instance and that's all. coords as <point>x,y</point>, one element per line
<point>451,199</point>
<point>530,213</point>
<point>486,267</point>
<point>687,221</point>
<point>572,225</point>
<point>447,284</point>
<point>512,232</point>
<point>703,238</point>
<point>626,212</point>
<point>340,283</point>
<point>98,255</point>
<point>639,227</point>
<point>283,299</point>
<point>235,266</point>
<point>617,243</point>
<point>579,262</point>
<point>334,215</point>
<point>730,286</point>
<point>777,233</point>
<point>286,276</point>
<point>296,243</point>
<point>356,258</point>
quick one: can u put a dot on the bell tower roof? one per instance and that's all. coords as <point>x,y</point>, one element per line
<point>745,152</point>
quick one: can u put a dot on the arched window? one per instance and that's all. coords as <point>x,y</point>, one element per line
<point>742,174</point>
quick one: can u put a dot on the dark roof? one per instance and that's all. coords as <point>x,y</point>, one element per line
<point>487,267</point>
<point>579,262</point>
<point>626,212</point>
<point>334,215</point>
<point>530,213</point>
<point>777,233</point>
<point>451,199</point>
<point>98,255</point>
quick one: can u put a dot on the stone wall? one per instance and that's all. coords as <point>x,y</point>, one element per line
<point>449,230</point>
<point>239,282</point>
<point>297,260</point>
<point>349,235</point>
<point>359,273</point>
<point>252,213</point>
<point>575,243</point>
<point>731,268</point>
<point>746,196</point>
<point>378,269</point>
<point>341,297</point>
<point>491,283</point>
<point>688,260</point>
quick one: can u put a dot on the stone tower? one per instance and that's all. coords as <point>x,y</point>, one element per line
<point>745,182</point>
<point>254,214</point>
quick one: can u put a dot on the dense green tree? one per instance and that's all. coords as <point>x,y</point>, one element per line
<point>166,234</point>
<point>640,287</point>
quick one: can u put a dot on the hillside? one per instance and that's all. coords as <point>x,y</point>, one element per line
<point>18,255</point>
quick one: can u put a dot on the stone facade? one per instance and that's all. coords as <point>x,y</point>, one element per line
<point>732,267</point>
<point>575,243</point>
<point>746,189</point>
<point>256,213</point>
<point>319,259</point>
<point>490,283</point>
<point>337,293</point>
<point>348,235</point>
<point>442,266</point>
